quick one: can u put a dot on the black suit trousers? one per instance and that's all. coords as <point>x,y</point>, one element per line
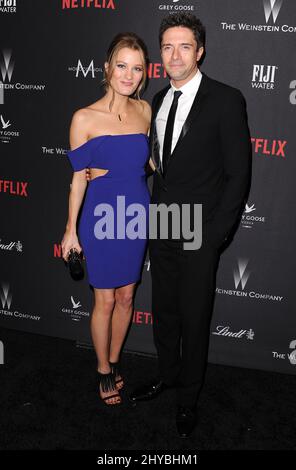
<point>183,288</point>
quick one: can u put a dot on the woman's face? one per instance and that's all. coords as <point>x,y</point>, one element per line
<point>127,72</point>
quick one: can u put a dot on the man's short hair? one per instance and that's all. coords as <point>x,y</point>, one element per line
<point>187,20</point>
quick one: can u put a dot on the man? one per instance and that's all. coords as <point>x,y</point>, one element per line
<point>200,147</point>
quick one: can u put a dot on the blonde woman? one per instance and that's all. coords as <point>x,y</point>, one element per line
<point>110,138</point>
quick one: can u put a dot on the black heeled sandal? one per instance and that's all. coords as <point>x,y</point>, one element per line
<point>107,383</point>
<point>115,369</point>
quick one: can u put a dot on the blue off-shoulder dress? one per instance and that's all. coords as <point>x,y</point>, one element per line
<point>114,250</point>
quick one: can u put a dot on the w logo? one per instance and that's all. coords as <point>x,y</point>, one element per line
<point>5,296</point>
<point>272,7</point>
<point>1,353</point>
<point>7,65</point>
<point>241,275</point>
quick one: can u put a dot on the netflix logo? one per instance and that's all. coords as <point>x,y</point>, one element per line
<point>142,318</point>
<point>156,70</point>
<point>71,4</point>
<point>16,188</point>
<point>267,147</point>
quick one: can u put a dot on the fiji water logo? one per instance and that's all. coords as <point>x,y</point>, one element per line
<point>8,6</point>
<point>263,76</point>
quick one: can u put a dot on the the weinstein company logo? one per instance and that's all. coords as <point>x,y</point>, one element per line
<point>241,276</point>
<point>291,355</point>
<point>249,219</point>
<point>5,296</point>
<point>84,70</point>
<point>6,69</point>
<point>75,313</point>
<point>6,65</point>
<point>102,4</point>
<point>271,9</point>
<point>7,6</point>
<point>225,331</point>
<point>6,300</point>
<point>264,76</point>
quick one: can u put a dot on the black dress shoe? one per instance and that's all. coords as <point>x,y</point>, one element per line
<point>148,392</point>
<point>185,421</point>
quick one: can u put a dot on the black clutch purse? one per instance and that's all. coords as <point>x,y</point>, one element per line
<point>75,264</point>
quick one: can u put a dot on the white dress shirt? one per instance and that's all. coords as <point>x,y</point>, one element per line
<point>185,102</point>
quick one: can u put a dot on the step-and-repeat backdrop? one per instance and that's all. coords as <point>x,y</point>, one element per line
<point>51,63</point>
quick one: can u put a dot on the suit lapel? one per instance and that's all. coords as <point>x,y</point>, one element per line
<point>154,144</point>
<point>194,112</point>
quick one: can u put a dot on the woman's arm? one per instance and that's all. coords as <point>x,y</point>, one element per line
<point>78,187</point>
<point>147,113</point>
<point>78,136</point>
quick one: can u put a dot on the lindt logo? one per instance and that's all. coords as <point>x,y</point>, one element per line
<point>225,331</point>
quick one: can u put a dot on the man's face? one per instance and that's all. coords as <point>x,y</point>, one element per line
<point>179,53</point>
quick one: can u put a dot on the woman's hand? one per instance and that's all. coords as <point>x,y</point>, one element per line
<point>70,240</point>
<point>151,164</point>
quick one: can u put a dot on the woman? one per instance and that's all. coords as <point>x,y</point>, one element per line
<point>110,137</point>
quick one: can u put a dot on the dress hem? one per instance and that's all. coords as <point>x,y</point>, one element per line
<point>117,285</point>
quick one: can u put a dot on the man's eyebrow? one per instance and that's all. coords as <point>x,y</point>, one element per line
<point>181,44</point>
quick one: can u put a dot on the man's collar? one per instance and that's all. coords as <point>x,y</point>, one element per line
<point>190,88</point>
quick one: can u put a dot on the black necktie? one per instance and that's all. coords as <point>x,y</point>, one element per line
<point>168,136</point>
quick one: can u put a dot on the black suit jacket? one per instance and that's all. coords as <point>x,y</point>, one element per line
<point>211,162</point>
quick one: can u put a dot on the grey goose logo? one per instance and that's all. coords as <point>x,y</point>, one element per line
<point>75,304</point>
<point>272,8</point>
<point>4,123</point>
<point>249,209</point>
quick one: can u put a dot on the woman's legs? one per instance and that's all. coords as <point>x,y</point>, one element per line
<point>109,323</point>
<point>100,325</point>
<point>121,319</point>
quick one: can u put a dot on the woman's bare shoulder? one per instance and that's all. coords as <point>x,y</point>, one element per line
<point>81,125</point>
<point>92,111</point>
<point>87,117</point>
<point>144,105</point>
<point>144,110</point>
